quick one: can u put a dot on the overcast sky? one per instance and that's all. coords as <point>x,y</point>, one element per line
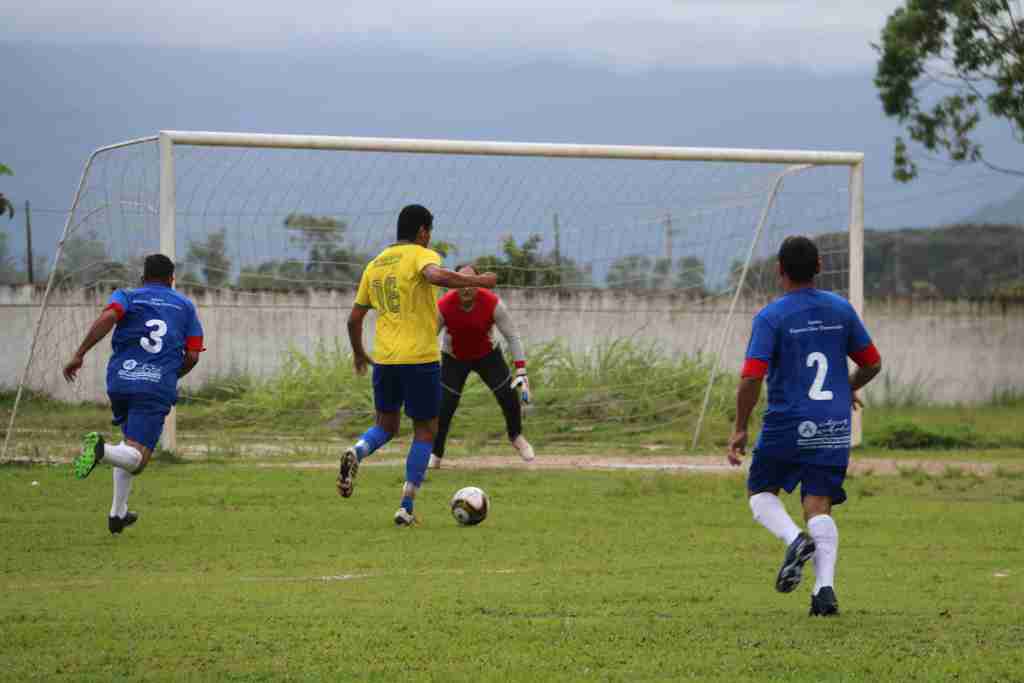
<point>737,73</point>
<point>816,34</point>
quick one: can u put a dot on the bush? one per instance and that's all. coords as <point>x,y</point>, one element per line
<point>909,436</point>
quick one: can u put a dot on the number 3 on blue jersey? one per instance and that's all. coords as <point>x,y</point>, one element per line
<point>154,343</point>
<point>817,391</point>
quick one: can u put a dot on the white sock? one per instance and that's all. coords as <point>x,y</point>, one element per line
<point>770,513</point>
<point>122,455</point>
<point>823,530</point>
<point>122,487</point>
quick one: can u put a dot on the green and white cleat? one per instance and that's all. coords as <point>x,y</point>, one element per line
<point>92,454</point>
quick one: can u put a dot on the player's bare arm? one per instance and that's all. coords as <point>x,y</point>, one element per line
<point>442,277</point>
<point>190,361</point>
<point>860,377</point>
<point>100,329</point>
<point>747,396</point>
<point>355,337</point>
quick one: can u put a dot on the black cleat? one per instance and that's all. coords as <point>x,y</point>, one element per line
<point>792,570</point>
<point>118,524</point>
<point>825,603</point>
<point>348,467</point>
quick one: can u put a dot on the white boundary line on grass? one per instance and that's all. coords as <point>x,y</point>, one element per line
<point>332,578</point>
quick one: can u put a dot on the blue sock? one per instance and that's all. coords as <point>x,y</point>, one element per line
<point>417,460</point>
<point>370,441</point>
<point>407,503</point>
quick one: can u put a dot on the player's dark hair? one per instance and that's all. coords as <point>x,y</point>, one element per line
<point>158,267</point>
<point>798,257</point>
<point>465,265</point>
<point>411,219</point>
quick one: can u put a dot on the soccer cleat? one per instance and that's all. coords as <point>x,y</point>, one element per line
<point>118,524</point>
<point>825,603</point>
<point>792,570</point>
<point>92,453</point>
<point>525,449</point>
<point>404,518</point>
<point>347,472</point>
<point>435,462</point>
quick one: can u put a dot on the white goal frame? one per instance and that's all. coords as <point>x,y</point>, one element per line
<point>797,159</point>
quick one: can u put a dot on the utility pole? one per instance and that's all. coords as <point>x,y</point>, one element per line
<point>669,233</point>
<point>558,244</point>
<point>28,241</point>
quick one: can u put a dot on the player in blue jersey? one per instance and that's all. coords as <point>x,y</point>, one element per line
<point>801,342</point>
<point>157,340</point>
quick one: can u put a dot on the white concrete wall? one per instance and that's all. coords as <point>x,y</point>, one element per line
<point>955,351</point>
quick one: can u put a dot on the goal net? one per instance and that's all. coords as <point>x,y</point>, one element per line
<point>632,273</point>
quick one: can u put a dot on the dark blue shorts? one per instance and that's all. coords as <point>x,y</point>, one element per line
<point>418,387</point>
<point>140,417</point>
<point>768,474</point>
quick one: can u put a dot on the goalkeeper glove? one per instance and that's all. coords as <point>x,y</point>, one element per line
<point>521,384</point>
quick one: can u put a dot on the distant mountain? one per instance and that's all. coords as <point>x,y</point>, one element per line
<point>70,99</point>
<point>952,262</point>
<point>1008,212</point>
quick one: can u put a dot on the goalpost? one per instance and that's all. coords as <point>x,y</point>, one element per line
<point>661,247</point>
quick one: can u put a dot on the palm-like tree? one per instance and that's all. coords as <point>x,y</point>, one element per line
<point>6,206</point>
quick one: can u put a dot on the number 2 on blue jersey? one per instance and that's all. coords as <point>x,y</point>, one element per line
<point>817,391</point>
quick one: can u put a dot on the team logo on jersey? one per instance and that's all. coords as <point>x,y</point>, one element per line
<point>133,372</point>
<point>829,434</point>
<point>807,429</point>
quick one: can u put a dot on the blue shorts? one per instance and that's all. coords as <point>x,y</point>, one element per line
<point>418,387</point>
<point>140,417</point>
<point>768,474</point>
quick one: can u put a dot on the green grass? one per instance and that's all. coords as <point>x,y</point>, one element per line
<point>234,573</point>
<point>619,392</point>
<point>621,398</point>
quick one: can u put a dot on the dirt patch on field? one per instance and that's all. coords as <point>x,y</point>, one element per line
<point>681,464</point>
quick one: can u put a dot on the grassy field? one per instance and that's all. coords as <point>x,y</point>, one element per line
<point>623,398</point>
<point>240,572</point>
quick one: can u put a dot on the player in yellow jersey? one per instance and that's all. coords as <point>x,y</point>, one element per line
<point>400,285</point>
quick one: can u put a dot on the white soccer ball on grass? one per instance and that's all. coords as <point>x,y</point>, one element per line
<point>470,505</point>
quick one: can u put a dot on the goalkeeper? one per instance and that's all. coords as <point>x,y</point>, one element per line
<point>468,316</point>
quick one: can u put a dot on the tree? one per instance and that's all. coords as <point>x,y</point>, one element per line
<point>642,272</point>
<point>690,275</point>
<point>212,258</point>
<point>330,261</point>
<point>6,206</point>
<point>444,248</point>
<point>524,265</point>
<point>8,273</point>
<point>661,275</point>
<point>630,272</point>
<point>311,229</point>
<point>274,276</point>
<point>85,263</point>
<point>973,50</point>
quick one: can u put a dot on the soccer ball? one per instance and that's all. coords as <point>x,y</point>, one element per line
<point>470,505</point>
